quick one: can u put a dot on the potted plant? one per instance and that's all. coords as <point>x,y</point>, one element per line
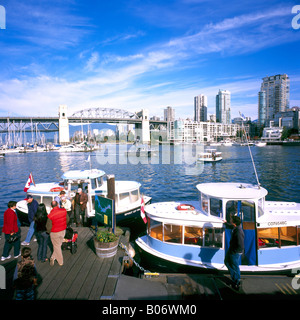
<point>106,243</point>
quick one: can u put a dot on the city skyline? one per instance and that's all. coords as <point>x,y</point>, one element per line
<point>137,54</point>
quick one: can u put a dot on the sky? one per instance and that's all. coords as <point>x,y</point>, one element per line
<point>143,54</point>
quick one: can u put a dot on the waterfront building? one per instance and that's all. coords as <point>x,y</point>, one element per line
<point>289,119</point>
<point>223,107</point>
<point>275,98</point>
<point>272,133</point>
<point>169,114</point>
<point>200,108</point>
<point>193,131</point>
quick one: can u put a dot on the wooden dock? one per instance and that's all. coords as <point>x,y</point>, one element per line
<point>84,276</point>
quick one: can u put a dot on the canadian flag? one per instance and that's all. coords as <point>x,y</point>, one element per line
<point>29,181</point>
<point>143,210</point>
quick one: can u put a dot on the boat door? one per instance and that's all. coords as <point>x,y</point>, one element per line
<point>246,211</point>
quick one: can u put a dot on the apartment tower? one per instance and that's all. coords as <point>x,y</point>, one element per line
<point>274,96</point>
<point>223,107</point>
<point>200,108</point>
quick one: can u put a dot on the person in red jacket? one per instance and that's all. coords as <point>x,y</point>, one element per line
<point>10,226</point>
<point>56,226</point>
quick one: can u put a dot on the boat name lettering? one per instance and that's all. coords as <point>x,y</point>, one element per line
<point>277,223</point>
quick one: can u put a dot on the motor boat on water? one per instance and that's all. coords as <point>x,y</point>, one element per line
<point>127,194</point>
<point>210,155</point>
<point>260,144</point>
<point>195,233</point>
<point>138,150</point>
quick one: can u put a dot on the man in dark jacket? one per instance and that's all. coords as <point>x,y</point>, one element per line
<point>235,251</point>
<point>32,205</point>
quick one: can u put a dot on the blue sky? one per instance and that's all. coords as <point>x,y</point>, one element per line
<point>138,54</point>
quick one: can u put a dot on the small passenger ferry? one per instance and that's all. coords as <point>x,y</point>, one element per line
<point>92,182</point>
<point>210,155</point>
<point>196,233</point>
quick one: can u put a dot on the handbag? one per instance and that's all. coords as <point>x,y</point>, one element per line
<point>12,238</point>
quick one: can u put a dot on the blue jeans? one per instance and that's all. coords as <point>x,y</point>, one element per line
<point>25,294</point>
<point>232,262</point>
<point>42,238</point>
<point>16,244</point>
<point>30,232</point>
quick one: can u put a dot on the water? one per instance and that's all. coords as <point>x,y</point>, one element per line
<point>278,169</point>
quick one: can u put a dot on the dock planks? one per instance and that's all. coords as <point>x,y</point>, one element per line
<point>84,276</point>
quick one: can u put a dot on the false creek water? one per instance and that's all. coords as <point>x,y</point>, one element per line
<point>167,176</point>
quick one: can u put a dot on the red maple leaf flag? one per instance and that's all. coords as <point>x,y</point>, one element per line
<point>29,181</point>
<point>143,210</point>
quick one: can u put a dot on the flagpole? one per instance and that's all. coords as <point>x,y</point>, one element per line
<point>32,178</point>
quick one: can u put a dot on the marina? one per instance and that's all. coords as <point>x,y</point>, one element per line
<point>163,182</point>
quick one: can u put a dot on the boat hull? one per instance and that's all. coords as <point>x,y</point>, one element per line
<point>212,259</point>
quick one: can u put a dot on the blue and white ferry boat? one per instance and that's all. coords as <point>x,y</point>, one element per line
<point>196,234</point>
<point>93,182</point>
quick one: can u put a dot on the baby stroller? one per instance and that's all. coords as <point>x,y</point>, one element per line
<point>70,240</point>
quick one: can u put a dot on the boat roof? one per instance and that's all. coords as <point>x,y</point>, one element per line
<point>168,213</point>
<point>232,190</point>
<point>83,174</point>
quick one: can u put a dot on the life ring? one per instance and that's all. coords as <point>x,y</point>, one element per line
<point>185,207</point>
<point>57,189</point>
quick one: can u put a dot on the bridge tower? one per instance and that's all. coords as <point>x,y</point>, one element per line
<point>63,125</point>
<point>143,130</point>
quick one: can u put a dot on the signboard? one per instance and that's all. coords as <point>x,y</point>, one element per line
<point>104,211</point>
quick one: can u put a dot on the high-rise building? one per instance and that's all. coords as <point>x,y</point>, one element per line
<point>223,107</point>
<point>169,114</point>
<point>200,108</point>
<point>276,95</point>
<point>262,108</point>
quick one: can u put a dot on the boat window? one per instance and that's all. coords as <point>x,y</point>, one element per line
<point>248,211</point>
<point>260,207</point>
<point>124,198</point>
<point>241,208</point>
<point>37,198</point>
<point>93,183</point>
<point>288,236</point>
<point>47,202</point>
<point>99,181</point>
<point>172,233</point>
<point>134,195</point>
<point>268,237</point>
<point>204,202</point>
<point>213,237</point>
<point>193,235</point>
<point>155,229</point>
<point>216,207</point>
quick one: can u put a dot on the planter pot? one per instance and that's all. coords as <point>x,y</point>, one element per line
<point>106,250</point>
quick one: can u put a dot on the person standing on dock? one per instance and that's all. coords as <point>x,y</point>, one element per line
<point>235,251</point>
<point>11,227</point>
<point>32,205</point>
<point>56,226</point>
<point>42,235</point>
<point>81,200</point>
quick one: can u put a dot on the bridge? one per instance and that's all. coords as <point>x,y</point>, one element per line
<point>90,115</point>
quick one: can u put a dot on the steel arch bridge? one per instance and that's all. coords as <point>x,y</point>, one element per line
<point>89,115</point>
<point>104,113</point>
